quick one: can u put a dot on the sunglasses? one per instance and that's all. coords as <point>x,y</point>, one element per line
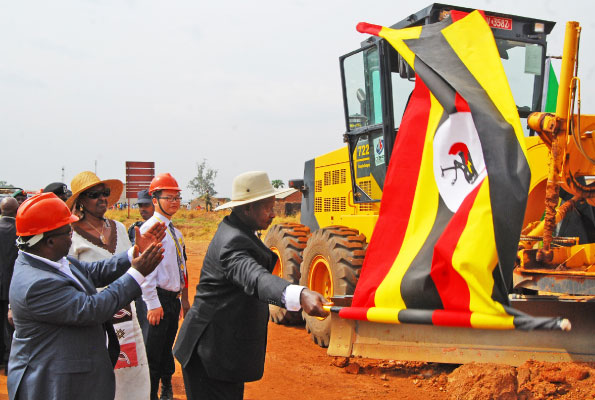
<point>95,194</point>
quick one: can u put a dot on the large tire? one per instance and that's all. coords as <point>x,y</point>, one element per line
<point>332,262</point>
<point>288,241</point>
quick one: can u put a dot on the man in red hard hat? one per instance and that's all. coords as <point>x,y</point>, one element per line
<point>61,322</point>
<point>165,286</point>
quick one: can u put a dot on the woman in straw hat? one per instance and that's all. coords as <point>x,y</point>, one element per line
<point>95,238</point>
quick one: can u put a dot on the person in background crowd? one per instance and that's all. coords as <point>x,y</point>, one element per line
<point>59,189</point>
<point>171,283</point>
<point>8,254</point>
<point>208,204</point>
<point>222,342</point>
<point>64,346</point>
<point>95,238</point>
<point>146,209</point>
<point>20,196</point>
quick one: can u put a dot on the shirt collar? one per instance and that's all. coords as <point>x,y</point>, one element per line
<point>161,218</point>
<point>56,264</point>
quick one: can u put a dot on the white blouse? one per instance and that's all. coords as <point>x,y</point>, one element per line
<point>132,382</point>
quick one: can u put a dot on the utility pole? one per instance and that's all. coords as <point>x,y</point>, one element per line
<point>62,175</point>
<point>95,167</point>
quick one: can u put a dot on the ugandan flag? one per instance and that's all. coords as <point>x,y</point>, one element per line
<point>445,243</point>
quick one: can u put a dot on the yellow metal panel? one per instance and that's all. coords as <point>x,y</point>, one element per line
<point>333,196</point>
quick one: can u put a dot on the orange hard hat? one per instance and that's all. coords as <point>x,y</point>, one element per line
<point>42,213</point>
<point>163,182</point>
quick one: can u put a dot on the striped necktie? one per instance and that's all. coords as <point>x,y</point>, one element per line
<point>178,253</point>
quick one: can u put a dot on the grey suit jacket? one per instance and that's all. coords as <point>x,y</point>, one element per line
<point>59,345</point>
<point>227,324</point>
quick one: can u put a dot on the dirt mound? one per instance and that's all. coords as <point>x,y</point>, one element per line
<point>531,381</point>
<point>483,382</point>
<point>541,380</point>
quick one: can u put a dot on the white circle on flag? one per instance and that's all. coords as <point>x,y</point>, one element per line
<point>458,159</point>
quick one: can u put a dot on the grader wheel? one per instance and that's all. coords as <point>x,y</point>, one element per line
<point>331,266</point>
<point>287,240</point>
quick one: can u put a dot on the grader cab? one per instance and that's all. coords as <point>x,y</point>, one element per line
<point>343,191</point>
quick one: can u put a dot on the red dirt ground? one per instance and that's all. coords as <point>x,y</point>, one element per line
<point>298,369</point>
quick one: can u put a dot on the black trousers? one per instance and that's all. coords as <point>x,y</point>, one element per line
<point>160,340</point>
<point>199,386</point>
<point>141,315</point>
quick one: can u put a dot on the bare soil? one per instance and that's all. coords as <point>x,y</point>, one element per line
<point>298,369</point>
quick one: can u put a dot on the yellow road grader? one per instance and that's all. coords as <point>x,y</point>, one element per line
<point>555,270</point>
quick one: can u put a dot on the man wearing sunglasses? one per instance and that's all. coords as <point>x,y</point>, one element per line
<point>64,346</point>
<point>165,286</point>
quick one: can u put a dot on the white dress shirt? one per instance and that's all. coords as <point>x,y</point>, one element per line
<point>291,297</point>
<point>167,274</point>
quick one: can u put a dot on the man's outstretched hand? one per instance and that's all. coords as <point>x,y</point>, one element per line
<point>312,303</point>
<point>148,260</point>
<point>155,234</point>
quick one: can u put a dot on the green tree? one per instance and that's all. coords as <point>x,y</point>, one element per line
<point>5,184</point>
<point>277,183</point>
<point>203,184</point>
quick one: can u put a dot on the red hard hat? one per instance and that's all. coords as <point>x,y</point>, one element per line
<point>42,213</point>
<point>163,182</point>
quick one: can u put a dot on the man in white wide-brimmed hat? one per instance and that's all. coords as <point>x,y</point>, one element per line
<point>222,342</point>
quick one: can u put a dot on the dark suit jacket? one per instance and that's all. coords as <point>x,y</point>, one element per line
<point>8,254</point>
<point>59,345</point>
<point>227,324</point>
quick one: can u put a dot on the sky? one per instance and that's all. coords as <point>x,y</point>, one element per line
<point>244,85</point>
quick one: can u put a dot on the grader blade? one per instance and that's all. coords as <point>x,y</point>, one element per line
<point>453,345</point>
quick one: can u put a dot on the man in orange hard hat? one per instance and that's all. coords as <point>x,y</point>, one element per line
<point>61,322</point>
<point>165,286</point>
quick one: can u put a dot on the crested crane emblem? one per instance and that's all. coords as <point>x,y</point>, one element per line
<point>464,164</point>
<point>458,159</point>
